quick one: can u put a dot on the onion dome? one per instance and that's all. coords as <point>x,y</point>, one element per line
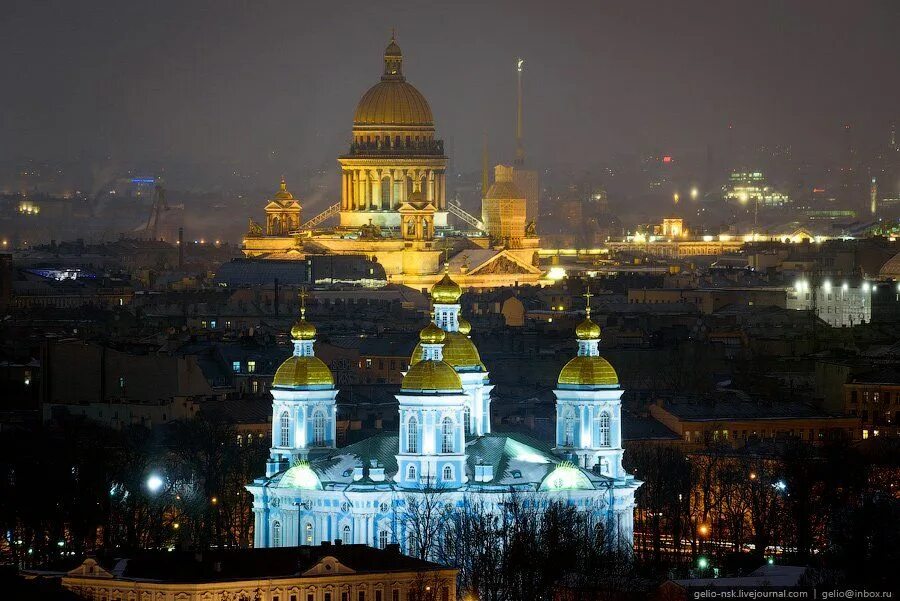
<point>303,372</point>
<point>464,326</point>
<point>459,352</point>
<point>303,330</point>
<point>431,334</point>
<point>446,291</point>
<point>586,370</point>
<point>431,376</point>
<point>587,330</point>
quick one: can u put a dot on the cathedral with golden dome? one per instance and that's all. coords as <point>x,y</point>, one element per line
<point>314,491</point>
<point>393,204</point>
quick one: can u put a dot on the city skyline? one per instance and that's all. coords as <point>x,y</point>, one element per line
<point>272,89</point>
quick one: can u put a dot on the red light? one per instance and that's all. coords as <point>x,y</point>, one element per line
<point>818,190</point>
<point>667,159</point>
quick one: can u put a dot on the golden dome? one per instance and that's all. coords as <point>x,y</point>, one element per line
<point>283,193</point>
<point>446,291</point>
<point>431,375</point>
<point>301,372</point>
<point>464,326</point>
<point>588,371</point>
<point>587,330</point>
<point>431,334</point>
<point>303,330</point>
<point>393,101</point>
<point>459,352</point>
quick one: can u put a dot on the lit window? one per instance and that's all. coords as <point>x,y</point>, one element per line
<point>382,539</point>
<point>285,429</point>
<point>309,533</point>
<point>251,367</point>
<point>412,436</point>
<point>447,435</point>
<point>236,367</point>
<point>319,429</point>
<point>345,536</point>
<point>276,534</point>
<point>603,438</point>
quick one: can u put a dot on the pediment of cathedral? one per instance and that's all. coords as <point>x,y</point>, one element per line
<point>287,205</point>
<point>90,568</point>
<point>328,566</point>
<point>503,263</point>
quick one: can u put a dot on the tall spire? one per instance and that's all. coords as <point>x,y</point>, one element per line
<point>520,149</point>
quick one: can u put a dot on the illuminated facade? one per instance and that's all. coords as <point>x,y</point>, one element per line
<point>444,446</point>
<point>393,204</point>
<point>751,187</point>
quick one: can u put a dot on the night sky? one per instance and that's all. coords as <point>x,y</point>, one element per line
<point>272,85</point>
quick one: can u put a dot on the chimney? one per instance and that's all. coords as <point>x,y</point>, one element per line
<point>181,248</point>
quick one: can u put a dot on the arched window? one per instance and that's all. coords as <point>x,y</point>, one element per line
<point>309,533</point>
<point>467,420</point>
<point>276,534</point>
<point>382,539</point>
<point>412,435</point>
<point>411,472</point>
<point>448,473</point>
<point>285,429</point>
<point>569,429</point>
<point>345,536</point>
<point>603,438</point>
<point>447,435</point>
<point>319,429</point>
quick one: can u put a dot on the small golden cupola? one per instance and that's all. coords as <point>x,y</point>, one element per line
<point>588,369</point>
<point>464,326</point>
<point>446,291</point>
<point>303,370</point>
<point>432,374</point>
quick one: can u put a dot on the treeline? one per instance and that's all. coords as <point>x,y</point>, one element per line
<point>74,487</point>
<point>835,508</point>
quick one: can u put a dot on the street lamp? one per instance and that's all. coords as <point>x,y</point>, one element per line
<point>154,483</point>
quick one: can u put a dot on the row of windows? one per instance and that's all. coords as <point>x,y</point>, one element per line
<point>875,396</point>
<point>446,473</point>
<point>236,366</point>
<point>309,535</point>
<point>319,439</point>
<point>601,430</point>
<point>724,435</point>
<point>448,442</point>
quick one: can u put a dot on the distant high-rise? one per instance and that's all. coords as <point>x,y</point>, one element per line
<point>873,197</point>
<point>525,180</point>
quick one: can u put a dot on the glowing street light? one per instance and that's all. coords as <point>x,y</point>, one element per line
<point>694,193</point>
<point>154,483</point>
<point>704,530</point>
<point>702,563</point>
<point>675,197</point>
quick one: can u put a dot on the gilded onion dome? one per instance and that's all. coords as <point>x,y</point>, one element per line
<point>464,326</point>
<point>303,372</point>
<point>431,334</point>
<point>588,371</point>
<point>302,329</point>
<point>587,330</point>
<point>431,375</point>
<point>588,368</point>
<point>459,352</point>
<point>283,193</point>
<point>446,291</point>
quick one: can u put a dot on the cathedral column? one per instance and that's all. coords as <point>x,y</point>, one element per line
<point>344,197</point>
<point>429,185</point>
<point>354,190</point>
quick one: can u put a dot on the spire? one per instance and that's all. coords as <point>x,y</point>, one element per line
<point>520,149</point>
<point>283,185</point>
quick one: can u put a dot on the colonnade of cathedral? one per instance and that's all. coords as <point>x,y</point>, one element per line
<point>384,189</point>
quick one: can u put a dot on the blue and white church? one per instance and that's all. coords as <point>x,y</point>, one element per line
<point>313,491</point>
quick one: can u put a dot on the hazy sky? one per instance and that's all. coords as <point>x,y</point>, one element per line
<point>272,85</point>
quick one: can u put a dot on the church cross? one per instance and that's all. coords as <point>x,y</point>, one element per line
<point>587,301</point>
